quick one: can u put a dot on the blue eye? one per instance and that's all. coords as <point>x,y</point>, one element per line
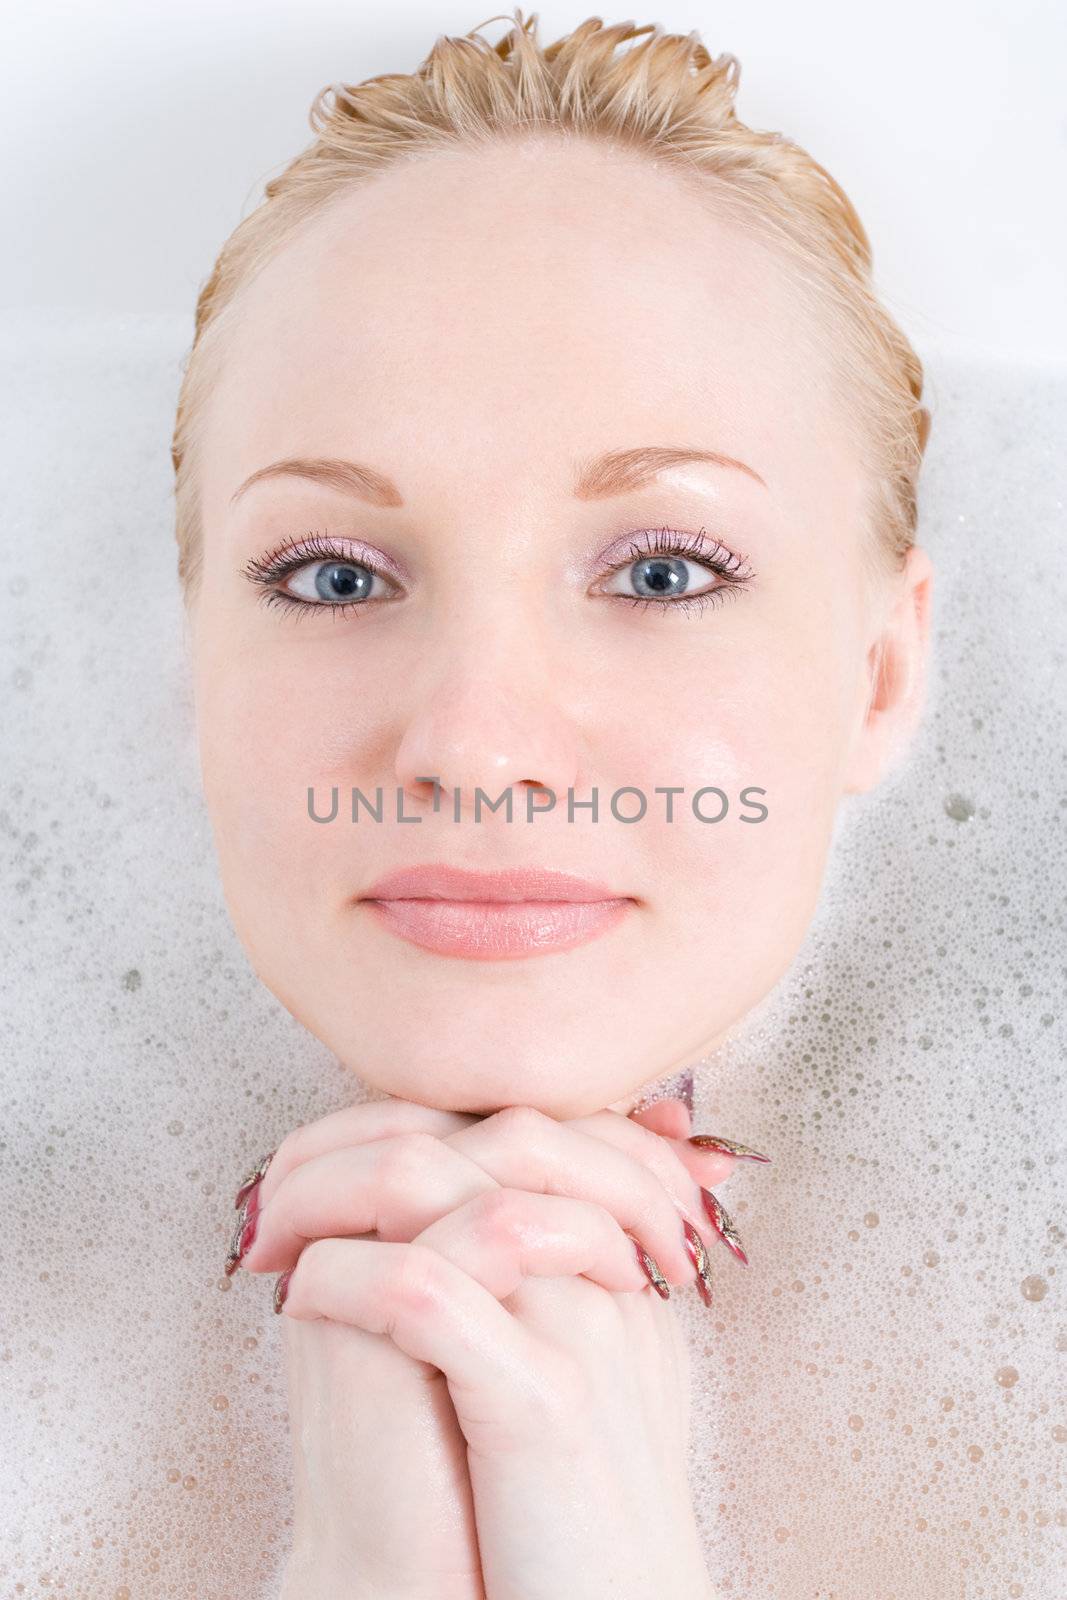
<point>333,582</point>
<point>668,575</point>
<point>659,577</point>
<point>663,569</point>
<point>321,578</point>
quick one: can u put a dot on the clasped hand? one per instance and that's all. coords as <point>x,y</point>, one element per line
<point>489,1398</point>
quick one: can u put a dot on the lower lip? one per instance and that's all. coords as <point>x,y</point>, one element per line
<point>498,930</point>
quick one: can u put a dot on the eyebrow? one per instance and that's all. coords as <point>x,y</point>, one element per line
<point>614,472</point>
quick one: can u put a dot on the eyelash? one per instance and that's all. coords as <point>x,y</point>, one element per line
<point>271,568</point>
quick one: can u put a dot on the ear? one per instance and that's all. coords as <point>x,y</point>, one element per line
<point>896,678</point>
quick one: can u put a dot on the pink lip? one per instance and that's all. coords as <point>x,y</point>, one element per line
<point>493,916</point>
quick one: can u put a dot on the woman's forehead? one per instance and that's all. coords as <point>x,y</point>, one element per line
<point>419,319</point>
<point>423,274</point>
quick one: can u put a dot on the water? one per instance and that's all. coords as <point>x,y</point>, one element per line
<point>878,1400</point>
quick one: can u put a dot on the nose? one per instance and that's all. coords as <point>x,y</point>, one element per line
<point>493,720</point>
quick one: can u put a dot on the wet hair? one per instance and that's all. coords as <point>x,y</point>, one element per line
<point>665,97</point>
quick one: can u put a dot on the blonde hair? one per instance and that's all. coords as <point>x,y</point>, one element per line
<point>667,98</point>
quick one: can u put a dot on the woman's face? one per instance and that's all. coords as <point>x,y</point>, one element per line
<point>479,328</point>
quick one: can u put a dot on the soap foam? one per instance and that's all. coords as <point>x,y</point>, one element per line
<point>878,1400</point>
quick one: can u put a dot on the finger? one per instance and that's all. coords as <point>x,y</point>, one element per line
<point>523,1148</point>
<point>710,1157</point>
<point>396,1187</point>
<point>497,1371</point>
<point>359,1124</point>
<point>682,1168</point>
<point>505,1235</point>
<point>670,1118</point>
<point>393,1186</point>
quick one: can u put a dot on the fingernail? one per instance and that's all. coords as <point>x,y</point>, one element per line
<point>695,1245</point>
<point>243,1235</point>
<point>655,1276</point>
<point>281,1288</point>
<point>253,1178</point>
<point>720,1220</point>
<point>714,1141</point>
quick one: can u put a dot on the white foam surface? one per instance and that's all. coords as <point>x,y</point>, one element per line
<point>878,1400</point>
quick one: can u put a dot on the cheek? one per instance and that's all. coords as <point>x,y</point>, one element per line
<point>773,714</point>
<point>773,711</point>
<point>269,729</point>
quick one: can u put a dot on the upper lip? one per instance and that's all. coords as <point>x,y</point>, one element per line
<point>438,881</point>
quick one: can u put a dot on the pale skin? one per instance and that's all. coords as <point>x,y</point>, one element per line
<point>475,327</point>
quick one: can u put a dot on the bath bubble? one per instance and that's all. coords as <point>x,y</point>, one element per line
<point>1034,1288</point>
<point>901,1074</point>
<point>959,808</point>
<point>1007,1377</point>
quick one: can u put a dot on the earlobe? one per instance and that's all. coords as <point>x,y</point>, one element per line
<point>896,679</point>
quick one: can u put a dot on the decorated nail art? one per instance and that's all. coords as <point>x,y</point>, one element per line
<point>655,1276</point>
<point>714,1141</point>
<point>281,1288</point>
<point>253,1178</point>
<point>720,1220</point>
<point>695,1245</point>
<point>243,1234</point>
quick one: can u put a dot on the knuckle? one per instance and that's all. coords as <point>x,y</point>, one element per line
<point>499,1213</point>
<point>416,1280</point>
<point>403,1160</point>
<point>525,1123</point>
<point>287,1154</point>
<point>665,1169</point>
<point>293,1152</point>
<point>653,1150</point>
<point>317,1265</point>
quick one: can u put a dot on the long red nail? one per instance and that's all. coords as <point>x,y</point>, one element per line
<point>253,1178</point>
<point>720,1220</point>
<point>281,1287</point>
<point>695,1246</point>
<point>729,1147</point>
<point>243,1235</point>
<point>652,1271</point>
